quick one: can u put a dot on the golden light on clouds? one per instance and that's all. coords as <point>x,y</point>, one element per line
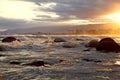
<point>17,9</point>
<point>114,17</point>
<point>78,22</point>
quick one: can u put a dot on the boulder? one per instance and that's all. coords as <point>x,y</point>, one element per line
<point>108,44</point>
<point>9,39</point>
<point>92,43</point>
<point>59,40</point>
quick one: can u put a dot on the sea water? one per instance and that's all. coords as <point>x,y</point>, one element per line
<point>62,63</point>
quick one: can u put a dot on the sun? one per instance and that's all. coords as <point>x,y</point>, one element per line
<point>114,17</point>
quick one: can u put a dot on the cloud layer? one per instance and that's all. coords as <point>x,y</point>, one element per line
<point>53,11</point>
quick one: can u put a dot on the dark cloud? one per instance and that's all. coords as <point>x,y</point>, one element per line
<point>12,23</point>
<point>67,9</point>
<point>83,9</point>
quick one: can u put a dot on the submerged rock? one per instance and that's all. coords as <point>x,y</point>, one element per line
<point>35,63</point>
<point>9,39</point>
<point>86,50</point>
<point>92,43</point>
<point>91,60</point>
<point>108,44</point>
<point>59,40</point>
<point>15,62</point>
<point>79,39</point>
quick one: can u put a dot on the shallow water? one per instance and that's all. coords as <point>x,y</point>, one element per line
<point>62,63</point>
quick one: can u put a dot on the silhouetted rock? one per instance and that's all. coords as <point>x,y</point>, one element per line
<point>59,40</point>
<point>9,39</point>
<point>15,62</point>
<point>92,43</point>
<point>91,60</point>
<point>1,55</point>
<point>61,60</point>
<point>35,63</point>
<point>86,50</point>
<point>109,45</point>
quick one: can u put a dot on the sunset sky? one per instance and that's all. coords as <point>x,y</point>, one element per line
<point>32,13</point>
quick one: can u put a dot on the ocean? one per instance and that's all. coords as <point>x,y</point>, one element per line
<point>60,63</point>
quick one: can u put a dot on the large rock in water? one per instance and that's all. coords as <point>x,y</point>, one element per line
<point>59,40</point>
<point>108,44</point>
<point>92,43</point>
<point>9,39</point>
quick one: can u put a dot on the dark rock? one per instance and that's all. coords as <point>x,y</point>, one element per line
<point>9,39</point>
<point>61,60</point>
<point>97,61</point>
<point>92,44</point>
<point>86,50</point>
<point>88,60</point>
<point>108,45</point>
<point>59,40</point>
<point>1,55</point>
<point>35,63</point>
<point>79,39</point>
<point>15,62</point>
<point>92,60</point>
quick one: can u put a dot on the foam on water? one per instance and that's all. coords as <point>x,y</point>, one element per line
<point>75,62</point>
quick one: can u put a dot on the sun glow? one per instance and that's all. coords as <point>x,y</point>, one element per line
<point>114,17</point>
<point>18,9</point>
<point>77,22</point>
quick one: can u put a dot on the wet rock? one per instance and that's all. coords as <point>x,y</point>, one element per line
<point>108,45</point>
<point>92,44</point>
<point>79,39</point>
<point>9,39</point>
<point>59,40</point>
<point>15,62</point>
<point>86,50</point>
<point>61,60</point>
<point>35,63</point>
<point>91,60</point>
<point>69,45</point>
<point>88,60</point>
<point>1,55</point>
